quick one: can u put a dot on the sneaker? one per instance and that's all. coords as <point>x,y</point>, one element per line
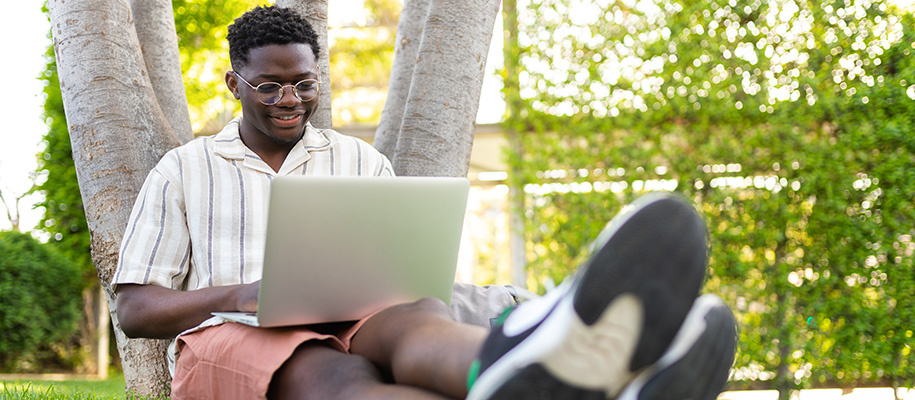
<point>696,365</point>
<point>616,316</point>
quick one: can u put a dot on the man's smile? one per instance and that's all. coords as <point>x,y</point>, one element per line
<point>289,120</point>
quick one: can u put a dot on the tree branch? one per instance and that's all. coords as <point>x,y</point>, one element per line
<point>445,89</point>
<point>406,46</point>
<point>14,221</point>
<point>315,11</point>
<point>154,21</point>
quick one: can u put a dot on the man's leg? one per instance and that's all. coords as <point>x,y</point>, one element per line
<point>618,315</point>
<point>318,372</point>
<point>422,345</point>
<point>236,361</point>
<point>586,340</point>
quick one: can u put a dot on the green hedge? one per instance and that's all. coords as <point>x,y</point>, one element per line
<point>791,125</point>
<point>39,301</point>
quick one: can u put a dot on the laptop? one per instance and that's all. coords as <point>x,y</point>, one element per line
<point>341,248</point>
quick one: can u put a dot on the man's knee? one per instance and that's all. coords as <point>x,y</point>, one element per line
<point>315,371</point>
<point>428,305</point>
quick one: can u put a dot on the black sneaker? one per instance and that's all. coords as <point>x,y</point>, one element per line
<point>618,315</point>
<point>696,365</point>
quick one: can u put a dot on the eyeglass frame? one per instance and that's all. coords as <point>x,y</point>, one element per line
<point>282,89</point>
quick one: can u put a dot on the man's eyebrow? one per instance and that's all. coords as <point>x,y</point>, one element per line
<point>304,75</point>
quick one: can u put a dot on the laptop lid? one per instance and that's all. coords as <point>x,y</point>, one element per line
<point>340,248</point>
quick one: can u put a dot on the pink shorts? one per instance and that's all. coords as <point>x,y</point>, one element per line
<point>236,361</point>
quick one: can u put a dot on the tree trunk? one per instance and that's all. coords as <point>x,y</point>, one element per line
<point>94,326</point>
<point>782,376</point>
<point>118,133</point>
<point>103,329</point>
<point>894,376</point>
<point>155,25</point>
<point>315,12</point>
<point>12,212</point>
<point>437,130</point>
<point>512,92</point>
<point>406,46</point>
<point>783,379</point>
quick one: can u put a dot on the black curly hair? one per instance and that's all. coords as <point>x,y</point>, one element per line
<point>264,26</point>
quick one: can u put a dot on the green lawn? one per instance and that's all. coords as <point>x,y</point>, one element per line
<point>78,389</point>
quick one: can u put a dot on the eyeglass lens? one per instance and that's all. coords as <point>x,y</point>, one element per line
<point>271,92</point>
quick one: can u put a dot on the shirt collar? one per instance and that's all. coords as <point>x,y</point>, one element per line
<point>228,145</point>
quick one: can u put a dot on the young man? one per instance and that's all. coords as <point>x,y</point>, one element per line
<point>627,325</point>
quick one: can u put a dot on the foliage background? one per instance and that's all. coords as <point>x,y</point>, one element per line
<point>39,308</point>
<point>790,124</point>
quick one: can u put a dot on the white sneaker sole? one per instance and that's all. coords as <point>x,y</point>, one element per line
<point>583,356</point>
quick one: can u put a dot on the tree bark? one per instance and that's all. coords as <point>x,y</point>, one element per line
<point>155,26</point>
<point>406,46</point>
<point>315,12</point>
<point>118,133</point>
<point>437,134</point>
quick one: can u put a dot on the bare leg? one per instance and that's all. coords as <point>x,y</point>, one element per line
<point>318,372</point>
<point>422,345</point>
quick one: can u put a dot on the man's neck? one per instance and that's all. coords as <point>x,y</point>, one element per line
<point>273,152</point>
<point>274,159</point>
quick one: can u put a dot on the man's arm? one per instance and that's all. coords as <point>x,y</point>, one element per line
<point>156,312</point>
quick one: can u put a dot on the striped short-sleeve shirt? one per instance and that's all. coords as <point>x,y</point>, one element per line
<point>200,217</point>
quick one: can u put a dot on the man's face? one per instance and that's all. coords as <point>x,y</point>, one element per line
<point>284,122</point>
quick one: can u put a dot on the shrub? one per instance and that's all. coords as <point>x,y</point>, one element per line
<point>39,300</point>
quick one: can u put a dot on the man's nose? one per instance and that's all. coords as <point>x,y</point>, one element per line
<point>290,99</point>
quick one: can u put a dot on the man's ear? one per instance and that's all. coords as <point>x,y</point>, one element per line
<point>232,83</point>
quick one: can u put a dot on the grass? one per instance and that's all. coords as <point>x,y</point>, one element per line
<point>75,389</point>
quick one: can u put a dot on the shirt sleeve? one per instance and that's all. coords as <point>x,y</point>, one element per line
<point>384,166</point>
<point>375,161</point>
<point>156,247</point>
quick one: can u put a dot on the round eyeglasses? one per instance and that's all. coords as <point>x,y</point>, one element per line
<point>270,93</point>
